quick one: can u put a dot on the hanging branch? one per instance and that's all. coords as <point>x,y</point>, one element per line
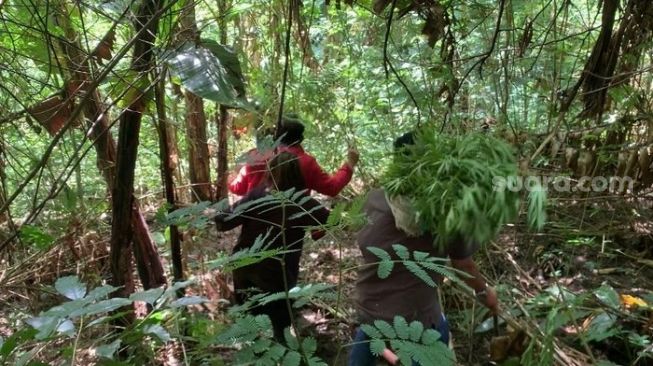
<point>167,172</point>
<point>74,115</point>
<point>387,63</point>
<point>285,68</point>
<point>486,55</point>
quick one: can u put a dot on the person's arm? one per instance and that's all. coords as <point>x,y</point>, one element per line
<point>240,184</point>
<point>224,221</point>
<point>331,185</point>
<point>484,293</point>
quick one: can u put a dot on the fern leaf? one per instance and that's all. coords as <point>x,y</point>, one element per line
<point>385,328</point>
<point>386,264</point>
<point>291,341</point>
<point>372,332</point>
<point>416,329</point>
<point>401,327</point>
<point>292,358</point>
<point>402,251</point>
<point>377,346</point>
<point>309,345</point>
<point>415,269</point>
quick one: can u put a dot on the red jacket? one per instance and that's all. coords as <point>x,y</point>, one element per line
<point>315,178</point>
<point>252,173</point>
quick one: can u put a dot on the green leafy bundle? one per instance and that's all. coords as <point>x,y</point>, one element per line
<point>451,184</point>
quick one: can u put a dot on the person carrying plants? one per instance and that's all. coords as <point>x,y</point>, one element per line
<point>392,220</point>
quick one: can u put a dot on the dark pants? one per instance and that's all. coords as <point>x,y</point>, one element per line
<point>246,283</point>
<point>361,355</point>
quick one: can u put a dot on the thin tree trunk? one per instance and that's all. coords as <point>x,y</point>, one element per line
<point>198,149</point>
<point>147,258</point>
<point>167,171</point>
<point>222,117</point>
<point>4,216</point>
<point>148,262</point>
<point>122,231</point>
<point>303,37</point>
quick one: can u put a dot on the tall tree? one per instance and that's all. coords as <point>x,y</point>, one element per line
<point>147,258</point>
<point>166,148</point>
<point>146,26</point>
<point>222,117</point>
<point>198,150</point>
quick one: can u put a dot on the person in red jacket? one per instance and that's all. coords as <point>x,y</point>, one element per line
<point>252,173</point>
<point>291,136</point>
<point>315,178</point>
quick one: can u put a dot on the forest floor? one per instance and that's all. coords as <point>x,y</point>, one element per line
<point>598,250</point>
<point>588,248</point>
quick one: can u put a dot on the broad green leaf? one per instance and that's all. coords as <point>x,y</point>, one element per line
<point>108,350</point>
<point>66,327</point>
<point>607,295</point>
<point>70,287</point>
<point>187,301</point>
<point>158,331</point>
<point>149,296</point>
<point>602,327</point>
<point>44,325</point>
<point>103,306</point>
<point>101,292</point>
<point>211,73</point>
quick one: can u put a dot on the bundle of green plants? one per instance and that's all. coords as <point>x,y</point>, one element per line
<point>459,187</point>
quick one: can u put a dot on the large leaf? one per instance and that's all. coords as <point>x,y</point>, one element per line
<point>211,71</point>
<point>149,296</point>
<point>70,287</point>
<point>607,295</point>
<point>103,306</point>
<point>45,325</point>
<point>108,350</point>
<point>187,301</point>
<point>158,331</point>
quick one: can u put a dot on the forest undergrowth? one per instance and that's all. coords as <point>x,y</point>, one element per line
<point>579,290</point>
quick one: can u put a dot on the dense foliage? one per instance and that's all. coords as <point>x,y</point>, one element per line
<point>562,86</point>
<point>450,182</point>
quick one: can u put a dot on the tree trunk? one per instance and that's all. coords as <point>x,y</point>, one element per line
<point>303,37</point>
<point>148,262</point>
<point>198,149</point>
<point>167,171</point>
<point>122,231</point>
<point>222,118</point>
<point>4,216</point>
<point>147,258</point>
